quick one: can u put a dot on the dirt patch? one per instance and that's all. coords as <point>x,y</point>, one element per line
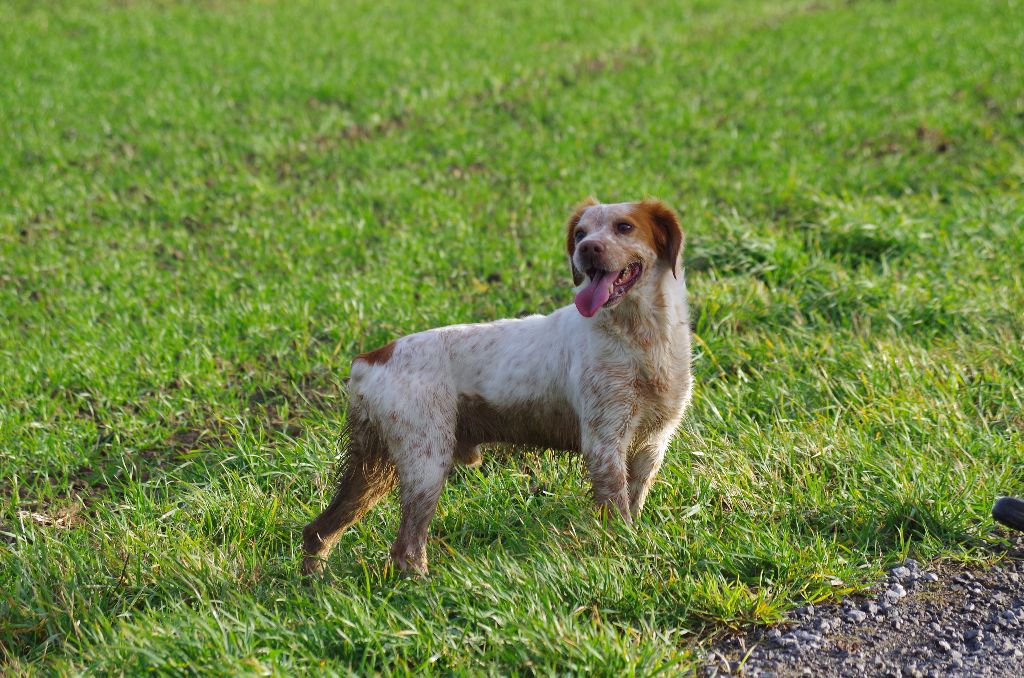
<point>949,620</point>
<point>933,139</point>
<point>63,518</point>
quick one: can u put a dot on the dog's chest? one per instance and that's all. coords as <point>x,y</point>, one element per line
<point>660,389</point>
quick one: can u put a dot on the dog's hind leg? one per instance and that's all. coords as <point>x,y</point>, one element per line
<point>423,451</point>
<point>420,489</point>
<point>367,477</point>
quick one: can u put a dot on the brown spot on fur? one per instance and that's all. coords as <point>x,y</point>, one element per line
<point>378,356</point>
<point>570,228</point>
<point>659,226</point>
<point>538,423</point>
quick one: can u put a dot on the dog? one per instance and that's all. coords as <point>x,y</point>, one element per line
<point>608,378</point>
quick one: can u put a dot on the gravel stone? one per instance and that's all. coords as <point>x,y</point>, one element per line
<point>808,637</point>
<point>901,572</point>
<point>950,621</point>
<point>855,616</point>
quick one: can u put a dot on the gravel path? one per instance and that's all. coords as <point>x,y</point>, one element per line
<point>945,621</point>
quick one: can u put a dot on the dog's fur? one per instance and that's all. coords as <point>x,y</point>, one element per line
<point>612,386</point>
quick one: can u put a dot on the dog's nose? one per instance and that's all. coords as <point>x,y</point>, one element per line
<point>591,248</point>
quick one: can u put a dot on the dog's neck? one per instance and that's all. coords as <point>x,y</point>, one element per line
<point>650,320</point>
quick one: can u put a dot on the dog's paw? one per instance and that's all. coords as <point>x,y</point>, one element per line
<point>312,565</point>
<point>411,563</point>
<point>610,513</point>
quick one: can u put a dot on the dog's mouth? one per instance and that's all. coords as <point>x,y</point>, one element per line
<point>606,288</point>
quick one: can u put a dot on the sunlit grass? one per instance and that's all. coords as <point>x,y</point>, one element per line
<point>206,210</point>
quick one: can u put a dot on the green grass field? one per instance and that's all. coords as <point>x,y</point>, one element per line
<point>206,209</point>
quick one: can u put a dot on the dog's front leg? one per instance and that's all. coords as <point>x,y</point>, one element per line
<point>643,467</point>
<point>604,450</point>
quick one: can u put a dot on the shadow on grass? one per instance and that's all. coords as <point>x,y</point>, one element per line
<point>896,523</point>
<point>137,442</point>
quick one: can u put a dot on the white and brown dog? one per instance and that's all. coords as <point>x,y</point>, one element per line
<point>608,378</point>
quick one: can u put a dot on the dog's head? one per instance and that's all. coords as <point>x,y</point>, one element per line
<point>616,248</point>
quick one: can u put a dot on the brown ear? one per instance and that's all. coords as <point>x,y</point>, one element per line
<point>570,239</point>
<point>668,236</point>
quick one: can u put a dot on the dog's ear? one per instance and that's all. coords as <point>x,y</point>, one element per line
<point>668,236</point>
<point>570,239</point>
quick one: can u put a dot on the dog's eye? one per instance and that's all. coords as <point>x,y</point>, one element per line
<point>624,227</point>
<point>580,235</point>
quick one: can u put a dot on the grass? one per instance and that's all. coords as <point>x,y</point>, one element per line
<point>207,209</point>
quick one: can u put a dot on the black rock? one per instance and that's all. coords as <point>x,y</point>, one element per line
<point>1010,512</point>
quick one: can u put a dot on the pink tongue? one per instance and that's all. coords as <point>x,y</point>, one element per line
<point>593,296</point>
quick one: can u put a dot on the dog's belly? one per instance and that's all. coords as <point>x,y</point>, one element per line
<point>538,423</point>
